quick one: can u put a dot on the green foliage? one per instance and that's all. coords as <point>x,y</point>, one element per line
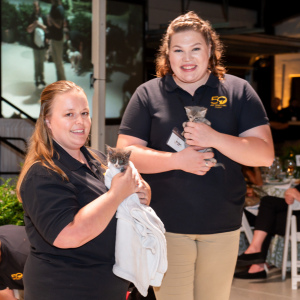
<point>82,22</point>
<point>24,14</point>
<point>11,210</point>
<point>8,15</point>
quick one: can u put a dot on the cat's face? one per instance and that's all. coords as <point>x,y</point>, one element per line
<point>194,112</point>
<point>118,157</point>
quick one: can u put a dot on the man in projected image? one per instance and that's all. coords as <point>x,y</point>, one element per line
<point>56,25</point>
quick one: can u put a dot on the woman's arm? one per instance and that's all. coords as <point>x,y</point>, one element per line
<point>58,23</point>
<point>149,161</point>
<point>31,27</point>
<point>144,192</point>
<point>93,218</point>
<point>253,147</point>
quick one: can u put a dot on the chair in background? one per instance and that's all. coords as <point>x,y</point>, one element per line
<point>295,263</point>
<point>246,228</point>
<point>288,237</point>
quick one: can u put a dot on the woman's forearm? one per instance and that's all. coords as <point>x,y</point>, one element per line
<point>89,222</point>
<point>92,219</point>
<point>150,161</point>
<point>253,147</point>
<point>249,151</point>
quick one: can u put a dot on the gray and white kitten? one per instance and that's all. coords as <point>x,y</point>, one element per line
<point>118,157</point>
<point>197,114</point>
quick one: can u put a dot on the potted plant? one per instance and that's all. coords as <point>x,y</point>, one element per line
<point>8,21</point>
<point>11,210</point>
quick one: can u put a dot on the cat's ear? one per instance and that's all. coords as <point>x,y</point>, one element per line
<point>187,109</point>
<point>203,112</point>
<point>128,153</point>
<point>109,149</point>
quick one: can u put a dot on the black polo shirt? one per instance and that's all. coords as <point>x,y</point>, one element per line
<point>185,202</point>
<point>50,203</point>
<point>58,14</point>
<point>14,252</point>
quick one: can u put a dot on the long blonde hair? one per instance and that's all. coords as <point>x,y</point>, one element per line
<point>191,21</point>
<point>41,142</point>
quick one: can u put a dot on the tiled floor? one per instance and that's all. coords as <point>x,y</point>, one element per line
<point>272,288</point>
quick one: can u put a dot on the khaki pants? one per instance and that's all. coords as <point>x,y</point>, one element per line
<point>39,58</point>
<point>57,56</point>
<point>200,267</point>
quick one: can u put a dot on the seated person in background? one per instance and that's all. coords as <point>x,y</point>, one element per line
<point>278,122</point>
<point>252,176</point>
<point>276,116</point>
<point>292,112</point>
<point>271,220</point>
<point>14,249</point>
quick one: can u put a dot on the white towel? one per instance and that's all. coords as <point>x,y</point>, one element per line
<point>141,248</point>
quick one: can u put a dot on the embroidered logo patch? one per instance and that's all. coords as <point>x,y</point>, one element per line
<point>17,276</point>
<point>218,101</point>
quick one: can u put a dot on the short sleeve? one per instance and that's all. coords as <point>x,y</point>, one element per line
<point>49,201</point>
<point>136,120</point>
<point>252,113</point>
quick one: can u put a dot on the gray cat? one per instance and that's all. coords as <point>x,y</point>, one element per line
<point>197,114</point>
<point>118,157</point>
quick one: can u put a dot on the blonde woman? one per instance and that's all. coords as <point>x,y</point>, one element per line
<point>69,214</point>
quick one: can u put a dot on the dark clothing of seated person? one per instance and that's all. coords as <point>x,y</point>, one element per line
<point>271,220</point>
<point>278,122</point>
<point>290,114</point>
<point>14,249</point>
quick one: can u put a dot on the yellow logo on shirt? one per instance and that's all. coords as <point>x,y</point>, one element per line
<point>17,276</point>
<point>218,101</point>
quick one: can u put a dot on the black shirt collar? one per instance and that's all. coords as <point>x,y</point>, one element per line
<point>73,164</point>
<point>64,157</point>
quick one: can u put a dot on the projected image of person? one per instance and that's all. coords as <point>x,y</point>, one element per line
<point>56,35</point>
<point>37,28</point>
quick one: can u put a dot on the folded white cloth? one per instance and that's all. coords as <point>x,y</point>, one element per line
<point>141,248</point>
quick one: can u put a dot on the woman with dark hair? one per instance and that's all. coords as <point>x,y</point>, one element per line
<point>69,214</point>
<point>201,205</point>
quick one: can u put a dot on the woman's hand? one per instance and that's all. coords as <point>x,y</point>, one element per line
<point>7,294</point>
<point>144,192</point>
<point>192,161</point>
<point>198,134</point>
<point>291,195</point>
<point>125,183</point>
